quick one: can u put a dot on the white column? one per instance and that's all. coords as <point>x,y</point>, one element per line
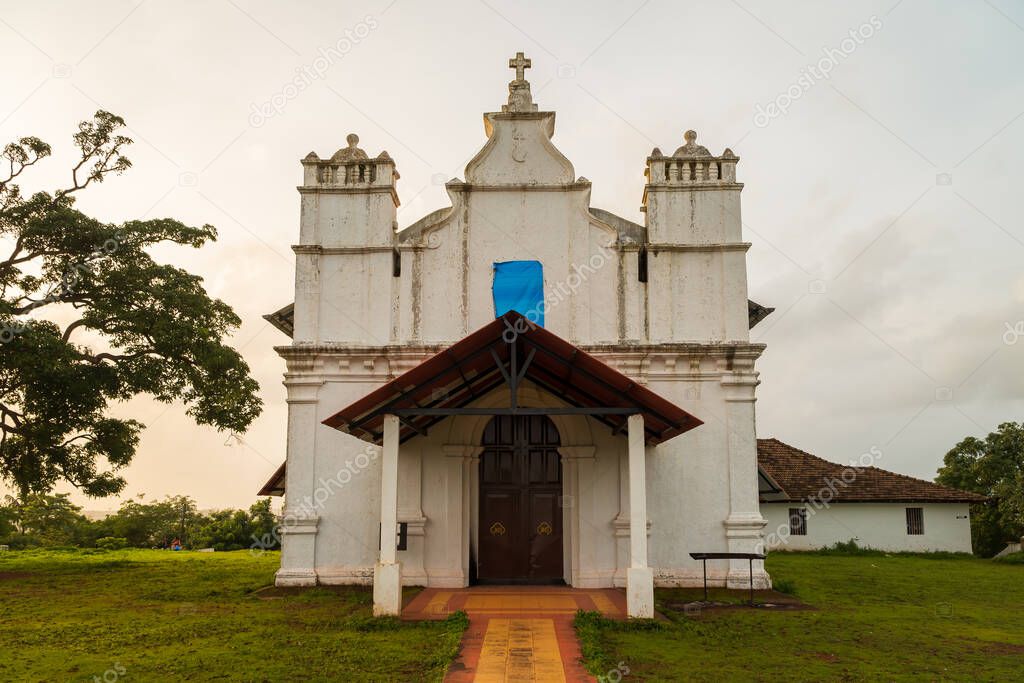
<point>301,513</point>
<point>455,528</point>
<point>577,505</point>
<point>387,574</point>
<point>410,513</point>
<point>743,526</point>
<point>639,577</point>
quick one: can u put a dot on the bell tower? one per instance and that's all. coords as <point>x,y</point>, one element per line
<point>697,293</point>
<point>344,260</point>
<point>696,254</point>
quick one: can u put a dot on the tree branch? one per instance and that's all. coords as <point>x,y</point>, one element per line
<point>98,171</point>
<point>71,328</point>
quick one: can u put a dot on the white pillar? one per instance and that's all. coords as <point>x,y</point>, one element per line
<point>744,525</point>
<point>639,577</point>
<point>387,573</point>
<point>301,513</point>
<point>462,461</point>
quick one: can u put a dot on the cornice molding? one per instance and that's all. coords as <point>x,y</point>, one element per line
<point>658,247</point>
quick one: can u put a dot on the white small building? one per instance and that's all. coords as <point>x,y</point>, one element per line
<point>812,503</point>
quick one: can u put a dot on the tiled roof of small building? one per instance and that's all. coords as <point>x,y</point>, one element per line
<point>803,476</point>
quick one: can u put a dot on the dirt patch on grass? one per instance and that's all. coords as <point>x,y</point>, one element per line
<point>763,600</point>
<point>5,576</point>
<point>991,648</point>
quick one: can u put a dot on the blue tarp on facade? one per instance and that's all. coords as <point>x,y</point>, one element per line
<point>519,286</point>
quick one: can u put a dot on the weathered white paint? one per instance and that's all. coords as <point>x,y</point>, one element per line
<point>947,526</point>
<point>683,334</point>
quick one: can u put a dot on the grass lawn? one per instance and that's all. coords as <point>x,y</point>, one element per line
<point>137,615</point>
<point>874,617</point>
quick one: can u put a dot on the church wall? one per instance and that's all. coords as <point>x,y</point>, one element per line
<point>633,295</point>
<point>688,480</point>
<point>582,275</point>
<point>433,308</point>
<point>599,510</point>
<point>345,494</point>
<point>348,218</point>
<point>446,506</point>
<point>705,299</point>
<point>358,295</point>
<point>697,216</point>
<point>553,228</point>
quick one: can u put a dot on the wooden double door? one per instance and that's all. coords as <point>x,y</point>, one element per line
<point>520,516</point>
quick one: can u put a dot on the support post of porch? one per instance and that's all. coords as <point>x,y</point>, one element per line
<point>387,573</point>
<point>639,577</point>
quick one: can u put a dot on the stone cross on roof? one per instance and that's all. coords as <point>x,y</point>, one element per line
<point>520,63</point>
<point>519,97</point>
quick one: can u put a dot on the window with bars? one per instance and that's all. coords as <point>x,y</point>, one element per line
<point>797,521</point>
<point>915,521</point>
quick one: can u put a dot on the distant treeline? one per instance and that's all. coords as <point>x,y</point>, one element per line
<point>40,520</point>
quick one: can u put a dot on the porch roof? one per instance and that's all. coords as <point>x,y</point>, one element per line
<point>506,352</point>
<point>274,485</point>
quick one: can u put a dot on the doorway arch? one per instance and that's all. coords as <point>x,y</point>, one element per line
<point>519,502</point>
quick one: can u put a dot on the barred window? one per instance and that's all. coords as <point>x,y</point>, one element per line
<point>915,521</point>
<point>797,521</point>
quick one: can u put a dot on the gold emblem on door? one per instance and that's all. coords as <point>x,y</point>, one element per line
<point>544,529</point>
<point>497,529</point>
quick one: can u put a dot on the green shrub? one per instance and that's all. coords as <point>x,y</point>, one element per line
<point>111,543</point>
<point>786,586</point>
<point>849,548</point>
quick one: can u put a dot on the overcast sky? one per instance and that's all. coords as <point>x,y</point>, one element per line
<point>883,203</point>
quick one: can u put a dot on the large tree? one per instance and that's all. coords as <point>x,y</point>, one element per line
<point>88,319</point>
<point>993,466</point>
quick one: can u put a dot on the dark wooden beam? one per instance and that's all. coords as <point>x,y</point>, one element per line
<point>573,410</point>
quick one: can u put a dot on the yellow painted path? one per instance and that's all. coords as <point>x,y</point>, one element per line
<point>520,650</point>
<point>517,633</point>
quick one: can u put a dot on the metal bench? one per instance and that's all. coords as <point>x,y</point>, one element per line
<point>750,557</point>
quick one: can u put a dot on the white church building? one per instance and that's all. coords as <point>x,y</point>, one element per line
<point>520,387</point>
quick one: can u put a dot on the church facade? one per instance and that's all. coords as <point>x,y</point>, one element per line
<point>520,387</point>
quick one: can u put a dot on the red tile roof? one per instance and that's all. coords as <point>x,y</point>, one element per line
<point>803,476</point>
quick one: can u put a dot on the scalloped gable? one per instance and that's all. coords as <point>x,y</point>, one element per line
<point>519,151</point>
